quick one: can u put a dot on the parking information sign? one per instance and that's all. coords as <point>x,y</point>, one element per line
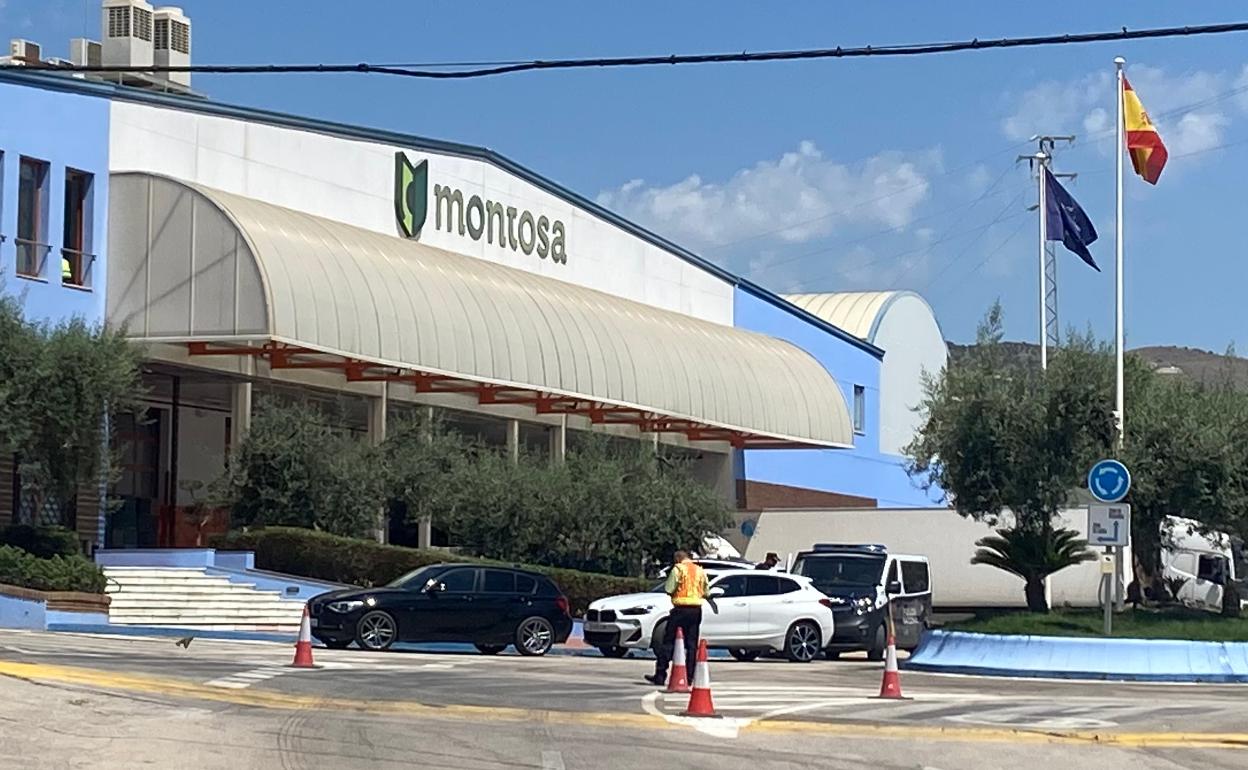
<point>1109,525</point>
<point>1109,481</point>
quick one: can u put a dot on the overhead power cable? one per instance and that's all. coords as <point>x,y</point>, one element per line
<point>433,71</point>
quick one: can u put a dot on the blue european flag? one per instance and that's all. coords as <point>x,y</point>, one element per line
<point>1066,221</point>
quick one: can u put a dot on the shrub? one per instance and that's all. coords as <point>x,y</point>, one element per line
<point>362,562</point>
<point>58,573</point>
<point>44,542</point>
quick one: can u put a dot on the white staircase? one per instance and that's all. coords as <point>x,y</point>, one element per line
<point>174,597</point>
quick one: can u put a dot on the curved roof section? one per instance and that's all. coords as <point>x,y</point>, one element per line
<point>43,79</point>
<point>857,312</point>
<point>373,300</point>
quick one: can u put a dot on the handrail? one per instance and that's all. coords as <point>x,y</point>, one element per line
<point>37,262</point>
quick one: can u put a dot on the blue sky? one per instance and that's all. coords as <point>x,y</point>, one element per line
<point>813,176</point>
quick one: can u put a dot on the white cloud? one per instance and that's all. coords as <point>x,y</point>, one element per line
<point>797,198</point>
<point>1187,107</point>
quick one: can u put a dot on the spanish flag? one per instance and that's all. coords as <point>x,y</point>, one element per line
<point>1148,154</point>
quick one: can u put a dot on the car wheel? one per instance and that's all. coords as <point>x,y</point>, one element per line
<point>876,652</point>
<point>613,652</point>
<point>744,655</point>
<point>657,635</point>
<point>490,649</point>
<point>336,644</point>
<point>804,641</point>
<point>376,631</point>
<point>535,636</point>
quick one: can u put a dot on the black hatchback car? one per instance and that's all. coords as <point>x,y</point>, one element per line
<point>490,607</point>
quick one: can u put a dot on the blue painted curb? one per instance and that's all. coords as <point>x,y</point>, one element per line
<point>1052,657</point>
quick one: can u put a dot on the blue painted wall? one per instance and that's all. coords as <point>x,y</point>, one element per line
<point>65,130</point>
<point>861,471</point>
<point>22,613</point>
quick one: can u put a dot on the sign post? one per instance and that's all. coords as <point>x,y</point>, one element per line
<point>1110,525</point>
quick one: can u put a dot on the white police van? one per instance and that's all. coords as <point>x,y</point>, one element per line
<point>863,581</point>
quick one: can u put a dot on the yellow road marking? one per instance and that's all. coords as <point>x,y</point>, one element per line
<point>107,680</point>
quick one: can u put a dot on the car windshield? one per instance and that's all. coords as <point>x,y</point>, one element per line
<point>840,570</point>
<point>414,579</point>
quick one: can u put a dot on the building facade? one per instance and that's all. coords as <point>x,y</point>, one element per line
<point>254,252</point>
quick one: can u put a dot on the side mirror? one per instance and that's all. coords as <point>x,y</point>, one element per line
<point>435,587</point>
<point>893,588</point>
<point>716,593</point>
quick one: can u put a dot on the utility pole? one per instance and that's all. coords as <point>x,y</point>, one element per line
<point>1049,327</point>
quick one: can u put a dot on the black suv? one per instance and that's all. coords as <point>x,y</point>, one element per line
<point>490,607</point>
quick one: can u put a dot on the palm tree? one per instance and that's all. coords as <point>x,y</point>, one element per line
<point>1033,553</point>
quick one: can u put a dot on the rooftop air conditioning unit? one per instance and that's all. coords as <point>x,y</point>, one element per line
<point>126,29</point>
<point>172,43</point>
<point>85,53</point>
<point>24,52</point>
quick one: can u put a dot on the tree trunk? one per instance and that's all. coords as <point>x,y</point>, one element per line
<point>1035,596</point>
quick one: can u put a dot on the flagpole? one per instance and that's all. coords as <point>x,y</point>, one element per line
<point>1119,414</point>
<point>1044,332</point>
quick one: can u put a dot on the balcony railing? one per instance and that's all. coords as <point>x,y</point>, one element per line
<point>76,268</point>
<point>31,257</point>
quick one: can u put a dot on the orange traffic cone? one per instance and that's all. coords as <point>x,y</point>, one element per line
<point>891,686</point>
<point>700,704</point>
<point>303,647</point>
<point>679,680</point>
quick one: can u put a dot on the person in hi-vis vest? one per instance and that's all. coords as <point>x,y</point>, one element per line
<point>686,584</point>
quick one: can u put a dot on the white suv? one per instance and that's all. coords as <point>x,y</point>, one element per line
<point>758,611</point>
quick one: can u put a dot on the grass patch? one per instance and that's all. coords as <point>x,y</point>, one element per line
<point>1166,623</point>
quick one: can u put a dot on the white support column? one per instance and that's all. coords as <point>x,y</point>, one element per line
<point>513,440</point>
<point>424,527</point>
<point>559,441</point>
<point>377,408</point>
<point>424,533</point>
<point>240,413</point>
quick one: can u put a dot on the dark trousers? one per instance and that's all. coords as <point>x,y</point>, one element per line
<point>689,621</point>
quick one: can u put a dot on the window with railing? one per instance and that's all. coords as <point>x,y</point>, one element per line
<point>76,256</point>
<point>32,218</point>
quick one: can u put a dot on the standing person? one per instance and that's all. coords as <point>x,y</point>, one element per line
<point>770,562</point>
<point>686,584</point>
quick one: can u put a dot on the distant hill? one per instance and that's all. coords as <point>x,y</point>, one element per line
<point>1198,365</point>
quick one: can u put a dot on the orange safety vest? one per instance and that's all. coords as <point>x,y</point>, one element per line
<point>688,586</point>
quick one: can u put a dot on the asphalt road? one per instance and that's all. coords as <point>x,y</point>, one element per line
<point>236,704</point>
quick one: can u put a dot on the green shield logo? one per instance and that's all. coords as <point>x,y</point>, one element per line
<point>411,194</point>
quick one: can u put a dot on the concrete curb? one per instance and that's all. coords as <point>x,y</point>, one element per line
<point>1052,657</point>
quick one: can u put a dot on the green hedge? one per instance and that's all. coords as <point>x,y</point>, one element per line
<point>44,542</point>
<point>59,573</point>
<point>365,563</point>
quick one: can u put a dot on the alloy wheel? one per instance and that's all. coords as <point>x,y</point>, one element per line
<point>535,636</point>
<point>804,643</point>
<point>376,631</point>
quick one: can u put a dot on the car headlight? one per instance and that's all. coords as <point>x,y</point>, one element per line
<point>863,605</point>
<point>636,611</point>
<point>345,606</point>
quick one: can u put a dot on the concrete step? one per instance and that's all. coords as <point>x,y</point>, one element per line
<point>217,615</point>
<point>198,587</point>
<point>132,603</point>
<point>173,580</point>
<point>277,628</point>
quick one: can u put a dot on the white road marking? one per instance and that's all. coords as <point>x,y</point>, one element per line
<point>552,760</point>
<point>247,678</point>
